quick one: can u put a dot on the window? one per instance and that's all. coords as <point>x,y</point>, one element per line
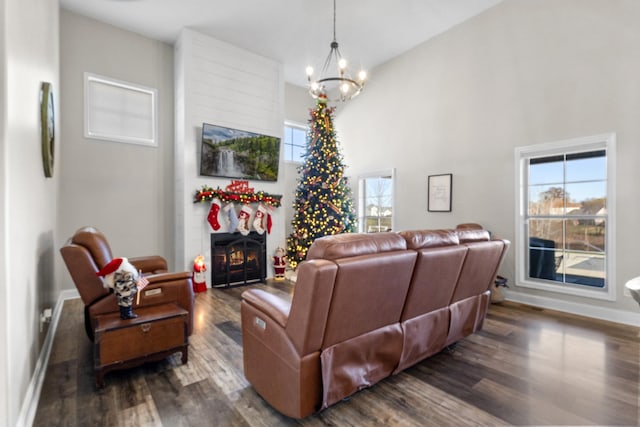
<point>375,207</point>
<point>119,111</point>
<point>565,216</point>
<point>295,142</point>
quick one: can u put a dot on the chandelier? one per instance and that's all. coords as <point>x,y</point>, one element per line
<point>340,86</point>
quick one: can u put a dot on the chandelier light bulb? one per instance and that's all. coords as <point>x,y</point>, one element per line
<point>344,88</point>
<point>314,86</point>
<point>342,64</point>
<point>362,75</point>
<point>309,71</point>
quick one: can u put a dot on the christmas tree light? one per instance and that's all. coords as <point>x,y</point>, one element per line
<point>323,204</point>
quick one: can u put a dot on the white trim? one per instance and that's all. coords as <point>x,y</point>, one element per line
<point>295,125</point>
<point>360,207</point>
<point>32,395</point>
<point>601,141</point>
<point>298,125</point>
<point>610,314</point>
<point>152,93</point>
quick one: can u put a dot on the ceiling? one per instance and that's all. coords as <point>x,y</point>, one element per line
<point>296,33</point>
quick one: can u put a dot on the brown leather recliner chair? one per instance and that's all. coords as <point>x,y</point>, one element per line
<point>87,251</point>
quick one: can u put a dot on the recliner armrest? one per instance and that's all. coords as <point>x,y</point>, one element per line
<point>271,305</point>
<point>150,264</point>
<point>165,277</point>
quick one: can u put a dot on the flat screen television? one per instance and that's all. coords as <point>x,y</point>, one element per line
<point>234,153</point>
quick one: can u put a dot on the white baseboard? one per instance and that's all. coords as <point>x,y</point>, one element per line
<point>602,313</point>
<point>32,396</point>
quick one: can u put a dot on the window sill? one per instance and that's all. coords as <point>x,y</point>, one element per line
<point>599,293</point>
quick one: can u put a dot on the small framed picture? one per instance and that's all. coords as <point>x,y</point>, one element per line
<point>439,193</point>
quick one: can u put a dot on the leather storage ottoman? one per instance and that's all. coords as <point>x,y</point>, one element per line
<point>156,333</point>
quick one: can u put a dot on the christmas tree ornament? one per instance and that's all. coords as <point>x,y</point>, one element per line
<point>232,217</point>
<point>243,220</point>
<point>212,218</point>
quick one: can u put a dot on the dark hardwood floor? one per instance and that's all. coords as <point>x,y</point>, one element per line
<point>526,367</point>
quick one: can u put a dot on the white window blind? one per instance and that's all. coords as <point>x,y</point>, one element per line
<point>120,111</point>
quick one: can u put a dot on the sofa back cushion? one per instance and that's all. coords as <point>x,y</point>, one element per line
<point>470,235</point>
<point>434,279</point>
<point>480,268</point>
<point>422,239</point>
<point>310,304</point>
<point>369,292</point>
<point>440,259</point>
<point>86,252</point>
<point>371,284</point>
<point>354,244</point>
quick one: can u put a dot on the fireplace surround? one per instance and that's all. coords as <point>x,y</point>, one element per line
<point>238,260</point>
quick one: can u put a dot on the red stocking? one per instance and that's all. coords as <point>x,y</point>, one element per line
<point>213,215</point>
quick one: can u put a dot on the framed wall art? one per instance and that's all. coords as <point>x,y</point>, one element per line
<point>47,127</point>
<point>439,193</point>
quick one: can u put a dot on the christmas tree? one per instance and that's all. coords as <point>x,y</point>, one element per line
<point>323,204</point>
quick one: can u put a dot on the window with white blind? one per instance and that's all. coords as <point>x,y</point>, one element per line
<point>119,111</point>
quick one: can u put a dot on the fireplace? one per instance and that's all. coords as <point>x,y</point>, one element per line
<point>237,259</point>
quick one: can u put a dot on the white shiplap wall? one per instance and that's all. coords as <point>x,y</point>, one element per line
<point>224,85</point>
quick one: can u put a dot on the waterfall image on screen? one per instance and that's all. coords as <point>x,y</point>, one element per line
<point>235,153</point>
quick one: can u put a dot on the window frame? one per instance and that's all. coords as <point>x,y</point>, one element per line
<point>295,125</point>
<point>582,144</point>
<point>362,196</point>
<point>152,93</point>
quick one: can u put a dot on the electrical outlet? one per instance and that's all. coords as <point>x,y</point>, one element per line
<point>45,317</point>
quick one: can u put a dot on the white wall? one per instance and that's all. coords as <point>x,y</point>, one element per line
<point>124,190</point>
<point>4,225</point>
<point>297,103</point>
<point>521,73</point>
<point>28,200</point>
<point>220,84</point>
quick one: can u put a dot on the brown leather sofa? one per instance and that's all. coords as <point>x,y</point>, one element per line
<point>365,306</point>
<point>88,250</point>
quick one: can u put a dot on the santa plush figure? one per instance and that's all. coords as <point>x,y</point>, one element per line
<point>279,263</point>
<point>123,278</point>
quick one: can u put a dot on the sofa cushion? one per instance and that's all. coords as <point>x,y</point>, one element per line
<point>470,235</point>
<point>369,292</point>
<point>434,279</point>
<point>419,239</point>
<point>353,244</point>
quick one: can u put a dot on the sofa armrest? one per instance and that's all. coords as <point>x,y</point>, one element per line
<point>167,277</point>
<point>150,264</point>
<point>271,305</point>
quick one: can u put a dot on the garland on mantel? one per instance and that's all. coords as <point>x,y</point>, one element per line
<point>237,191</point>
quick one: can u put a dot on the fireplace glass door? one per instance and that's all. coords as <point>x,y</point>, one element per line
<point>237,259</point>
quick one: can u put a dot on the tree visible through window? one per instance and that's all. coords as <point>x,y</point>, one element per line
<point>376,203</point>
<point>566,215</point>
